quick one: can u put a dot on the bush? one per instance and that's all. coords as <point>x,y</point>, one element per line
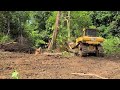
<point>5,39</point>
<point>112,45</point>
<point>38,42</point>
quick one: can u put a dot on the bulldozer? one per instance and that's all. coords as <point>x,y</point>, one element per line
<point>89,42</point>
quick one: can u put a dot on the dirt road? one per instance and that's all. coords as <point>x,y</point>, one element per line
<point>30,66</point>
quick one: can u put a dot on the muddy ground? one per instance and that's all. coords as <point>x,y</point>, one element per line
<point>44,66</point>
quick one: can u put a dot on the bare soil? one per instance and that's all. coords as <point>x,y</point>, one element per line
<point>45,66</point>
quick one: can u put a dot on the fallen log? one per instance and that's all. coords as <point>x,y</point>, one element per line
<point>89,74</point>
<point>52,54</point>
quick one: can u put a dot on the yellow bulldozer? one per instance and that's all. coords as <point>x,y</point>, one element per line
<point>89,42</point>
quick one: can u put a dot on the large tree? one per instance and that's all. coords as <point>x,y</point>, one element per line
<point>55,32</point>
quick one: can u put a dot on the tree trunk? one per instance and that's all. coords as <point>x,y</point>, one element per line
<point>21,39</point>
<point>8,27</point>
<point>55,33</point>
<point>20,33</point>
<point>68,25</point>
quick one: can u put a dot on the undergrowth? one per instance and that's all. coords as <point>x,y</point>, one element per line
<point>112,46</point>
<point>4,38</point>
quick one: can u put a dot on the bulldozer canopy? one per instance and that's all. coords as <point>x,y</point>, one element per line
<point>91,32</point>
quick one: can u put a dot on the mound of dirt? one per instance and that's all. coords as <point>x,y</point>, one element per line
<point>17,47</point>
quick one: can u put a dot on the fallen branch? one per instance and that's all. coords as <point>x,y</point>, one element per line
<point>52,54</point>
<point>89,74</point>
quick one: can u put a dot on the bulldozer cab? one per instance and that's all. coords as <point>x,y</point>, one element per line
<point>90,32</point>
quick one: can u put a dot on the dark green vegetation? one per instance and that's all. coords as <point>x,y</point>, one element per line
<point>36,27</point>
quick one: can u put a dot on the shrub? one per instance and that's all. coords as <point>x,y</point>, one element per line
<point>112,45</point>
<point>5,39</point>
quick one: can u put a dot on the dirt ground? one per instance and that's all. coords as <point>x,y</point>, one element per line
<point>44,66</point>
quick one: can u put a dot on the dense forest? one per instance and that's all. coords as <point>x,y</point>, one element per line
<point>37,27</point>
